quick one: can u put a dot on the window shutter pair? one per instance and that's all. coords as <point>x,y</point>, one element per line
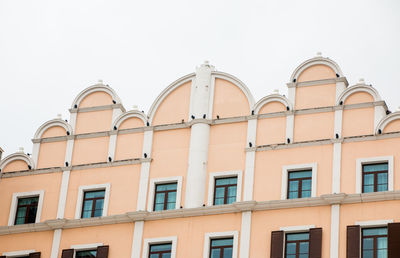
<point>31,255</point>
<point>278,243</point>
<point>354,236</point>
<point>102,252</point>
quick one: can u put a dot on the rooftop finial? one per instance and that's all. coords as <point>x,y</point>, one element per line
<point>21,149</point>
<point>134,107</point>
<point>398,108</point>
<point>319,53</point>
<point>59,116</point>
<point>100,81</point>
<point>276,91</point>
<point>361,81</point>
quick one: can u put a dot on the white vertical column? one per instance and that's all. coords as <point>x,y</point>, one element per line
<point>56,243</point>
<point>245,235</point>
<point>35,153</point>
<point>335,213</point>
<point>137,239</point>
<point>379,114</point>
<point>292,93</point>
<point>144,172</point>
<point>70,148</point>
<point>290,126</point>
<point>72,119</point>
<point>338,122</point>
<point>340,87</point>
<point>112,145</point>
<point>62,200</point>
<point>250,159</point>
<point>199,138</point>
<point>336,165</point>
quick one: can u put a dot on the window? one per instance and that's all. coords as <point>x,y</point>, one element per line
<point>165,197</point>
<point>374,242</point>
<point>375,177</point>
<point>221,248</point>
<point>22,254</point>
<point>86,254</point>
<point>297,245</point>
<point>26,210</point>
<point>299,183</point>
<point>93,203</point>
<point>225,190</point>
<point>160,250</point>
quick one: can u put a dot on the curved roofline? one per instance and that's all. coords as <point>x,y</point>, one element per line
<point>272,98</point>
<point>386,120</point>
<point>95,88</point>
<point>358,88</point>
<point>51,123</point>
<point>319,60</point>
<point>124,116</point>
<point>17,156</point>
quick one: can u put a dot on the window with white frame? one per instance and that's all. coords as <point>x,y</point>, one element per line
<point>26,207</point>
<point>374,237</point>
<point>164,247</point>
<point>86,250</point>
<point>224,187</point>
<point>21,253</point>
<point>92,201</point>
<point>374,174</point>
<point>221,245</point>
<point>165,193</point>
<point>299,181</point>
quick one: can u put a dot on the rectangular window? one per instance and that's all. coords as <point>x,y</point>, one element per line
<point>299,184</point>
<point>374,242</point>
<point>86,254</point>
<point>26,210</point>
<point>221,248</point>
<point>225,190</point>
<point>93,204</point>
<point>297,245</point>
<point>160,250</point>
<point>375,177</point>
<point>165,197</point>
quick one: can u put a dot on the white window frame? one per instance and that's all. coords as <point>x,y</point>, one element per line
<point>14,205</point>
<point>18,253</point>
<point>299,167</point>
<point>88,188</point>
<point>373,223</point>
<point>165,180</point>
<point>162,240</point>
<point>85,247</point>
<point>218,235</point>
<point>294,229</point>
<point>224,174</point>
<point>373,160</point>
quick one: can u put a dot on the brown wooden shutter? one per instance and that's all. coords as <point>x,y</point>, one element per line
<point>353,241</point>
<point>277,244</point>
<point>393,240</point>
<point>102,251</point>
<point>34,255</point>
<point>67,253</point>
<point>3,256</point>
<point>315,242</point>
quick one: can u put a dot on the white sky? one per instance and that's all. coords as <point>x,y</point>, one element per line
<point>52,50</point>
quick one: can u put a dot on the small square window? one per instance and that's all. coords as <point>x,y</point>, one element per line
<point>297,245</point>
<point>26,210</point>
<point>165,197</point>
<point>374,242</point>
<point>374,177</point>
<point>225,190</point>
<point>221,248</point>
<point>160,250</point>
<point>86,254</point>
<point>164,247</point>
<point>299,184</point>
<point>93,204</point>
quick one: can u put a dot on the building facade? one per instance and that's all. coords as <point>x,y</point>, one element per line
<point>209,172</point>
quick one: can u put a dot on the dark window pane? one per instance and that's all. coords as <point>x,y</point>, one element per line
<point>86,254</point>
<point>221,242</point>
<point>375,167</point>
<point>297,236</point>
<point>293,195</point>
<point>26,210</point>
<point>159,207</point>
<point>215,253</point>
<point>303,248</point>
<point>368,188</point>
<point>368,243</point>
<point>374,231</point>
<point>228,252</point>
<point>160,247</point>
<point>368,254</point>
<point>300,174</point>
<point>167,255</point>
<point>291,248</point>
<point>382,178</point>
<point>306,184</point>
<point>94,194</point>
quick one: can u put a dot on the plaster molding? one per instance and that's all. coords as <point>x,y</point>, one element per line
<point>217,235</point>
<point>358,88</point>
<point>14,204</point>
<point>51,123</point>
<point>224,174</point>
<point>319,60</point>
<point>272,98</point>
<point>95,88</point>
<point>386,120</point>
<point>130,114</point>
<point>161,240</point>
<point>87,188</point>
<point>95,108</point>
<point>17,156</point>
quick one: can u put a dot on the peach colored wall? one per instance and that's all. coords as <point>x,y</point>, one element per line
<point>229,100</point>
<point>350,213</point>
<point>174,107</point>
<point>268,169</point>
<point>129,146</point>
<point>54,132</point>
<point>315,96</point>
<point>351,151</point>
<point>16,165</point>
<point>124,184</point>
<point>316,126</point>
<point>264,222</point>
<point>271,130</point>
<point>50,183</point>
<point>132,122</point>
<point>272,107</point>
<point>38,241</point>
<point>94,121</point>
<point>358,122</point>
<point>191,231</point>
<point>316,72</point>
<point>359,97</point>
<point>98,98</point>
<point>118,237</point>
<point>393,126</point>
<point>90,150</point>
<point>52,154</point>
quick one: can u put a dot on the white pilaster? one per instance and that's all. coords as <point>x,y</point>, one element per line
<point>56,243</point>
<point>335,213</point>
<point>112,145</point>
<point>72,120</point>
<point>292,95</point>
<point>338,123</point>
<point>340,87</point>
<point>68,152</point>
<point>379,114</point>
<point>245,235</point>
<point>336,167</point>
<point>137,239</point>
<point>35,153</point>
<point>289,127</point>
<point>144,172</point>
<point>250,159</point>
<point>63,195</point>
<point>116,113</point>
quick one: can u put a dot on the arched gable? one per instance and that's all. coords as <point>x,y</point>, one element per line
<point>319,60</point>
<point>270,99</point>
<point>95,88</point>
<point>18,156</point>
<point>127,115</point>
<point>358,88</point>
<point>389,119</point>
<point>52,123</point>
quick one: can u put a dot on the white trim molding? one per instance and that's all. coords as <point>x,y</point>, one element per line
<point>272,98</point>
<point>18,253</point>
<point>165,180</point>
<point>87,188</point>
<point>334,242</point>
<point>319,60</point>
<point>374,160</point>
<point>298,167</point>
<point>130,114</point>
<point>162,240</point>
<point>358,88</point>
<point>211,184</point>
<point>95,88</point>
<point>136,248</point>
<point>86,246</point>
<point>14,204</point>
<point>373,223</point>
<point>293,229</point>
<point>17,156</point>
<point>386,120</point>
<point>55,246</point>
<point>52,123</point>
<point>245,234</point>
<point>218,235</point>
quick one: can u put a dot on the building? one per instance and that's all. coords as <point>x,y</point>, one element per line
<point>209,172</point>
